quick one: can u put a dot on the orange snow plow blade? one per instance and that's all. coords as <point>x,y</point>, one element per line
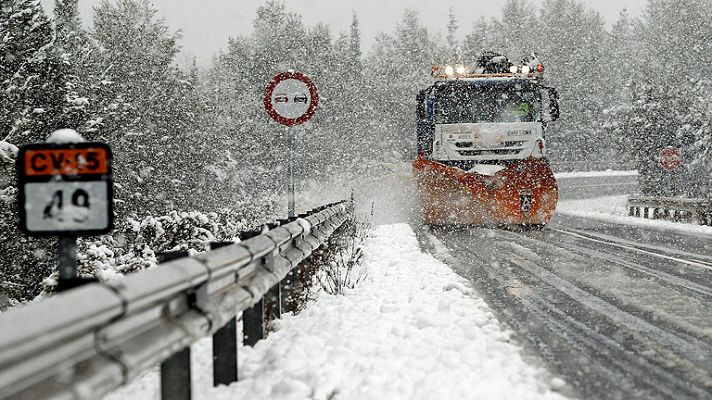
<point>523,193</point>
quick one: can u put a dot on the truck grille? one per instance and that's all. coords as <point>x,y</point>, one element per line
<point>485,152</point>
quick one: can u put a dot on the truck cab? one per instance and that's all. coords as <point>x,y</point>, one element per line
<point>495,113</point>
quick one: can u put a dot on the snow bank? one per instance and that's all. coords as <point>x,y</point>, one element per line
<point>613,209</point>
<point>594,174</point>
<point>411,330</point>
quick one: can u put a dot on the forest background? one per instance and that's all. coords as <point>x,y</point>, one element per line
<point>197,158</point>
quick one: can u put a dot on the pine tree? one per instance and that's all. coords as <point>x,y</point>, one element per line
<point>85,107</point>
<point>30,73</point>
<point>668,95</point>
<point>452,42</point>
<point>477,41</point>
<point>157,109</point>
<point>514,33</point>
<point>572,49</point>
<point>400,68</point>
<point>30,108</point>
<point>696,133</point>
<point>354,56</point>
<point>678,40</point>
<point>625,85</point>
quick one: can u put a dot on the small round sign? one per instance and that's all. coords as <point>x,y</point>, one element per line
<point>291,98</point>
<point>671,158</point>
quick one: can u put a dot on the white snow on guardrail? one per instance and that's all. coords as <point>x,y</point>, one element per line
<point>614,209</point>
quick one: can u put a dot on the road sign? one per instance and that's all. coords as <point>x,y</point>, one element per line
<point>671,158</point>
<point>65,189</point>
<point>291,98</point>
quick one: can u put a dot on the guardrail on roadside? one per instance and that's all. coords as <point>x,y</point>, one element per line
<point>88,341</point>
<point>671,208</point>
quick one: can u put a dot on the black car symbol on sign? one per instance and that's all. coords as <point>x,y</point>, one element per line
<point>281,98</point>
<point>301,98</point>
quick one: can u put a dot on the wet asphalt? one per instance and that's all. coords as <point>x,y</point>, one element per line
<point>618,311</point>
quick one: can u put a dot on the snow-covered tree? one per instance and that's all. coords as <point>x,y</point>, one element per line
<point>696,136</point>
<point>477,41</point>
<point>571,47</point>
<point>453,47</point>
<point>157,115</point>
<point>30,73</point>
<point>399,68</point>
<point>663,90</point>
<point>514,33</point>
<point>88,105</point>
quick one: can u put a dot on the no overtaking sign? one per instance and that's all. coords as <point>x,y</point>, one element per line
<point>291,98</point>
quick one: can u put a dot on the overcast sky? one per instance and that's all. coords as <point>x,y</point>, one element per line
<point>206,24</point>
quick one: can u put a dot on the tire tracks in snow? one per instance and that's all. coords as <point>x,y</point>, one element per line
<point>620,351</point>
<point>686,287</point>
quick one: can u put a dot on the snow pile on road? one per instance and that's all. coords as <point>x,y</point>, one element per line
<point>614,209</point>
<point>411,330</point>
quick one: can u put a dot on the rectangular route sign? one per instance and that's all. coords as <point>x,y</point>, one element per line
<point>65,189</point>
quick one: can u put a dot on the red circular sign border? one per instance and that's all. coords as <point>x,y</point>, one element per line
<point>312,91</point>
<point>666,165</point>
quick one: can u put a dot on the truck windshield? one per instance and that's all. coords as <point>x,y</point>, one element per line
<point>470,104</point>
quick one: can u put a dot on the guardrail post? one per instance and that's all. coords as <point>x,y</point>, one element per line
<point>225,354</point>
<point>175,376</point>
<point>275,301</point>
<point>225,346</point>
<point>288,291</point>
<point>253,325</point>
<point>253,329</point>
<point>175,371</point>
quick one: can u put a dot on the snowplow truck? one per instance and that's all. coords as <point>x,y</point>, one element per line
<point>481,144</point>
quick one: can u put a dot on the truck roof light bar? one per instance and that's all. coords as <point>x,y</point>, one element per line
<point>491,65</point>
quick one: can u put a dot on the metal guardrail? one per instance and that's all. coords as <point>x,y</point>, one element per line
<point>671,208</point>
<point>88,341</point>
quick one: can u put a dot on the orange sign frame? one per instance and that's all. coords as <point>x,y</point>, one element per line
<point>78,161</point>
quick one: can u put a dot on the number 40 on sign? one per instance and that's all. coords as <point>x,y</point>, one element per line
<point>65,189</point>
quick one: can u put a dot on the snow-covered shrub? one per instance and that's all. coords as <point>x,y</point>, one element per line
<point>338,269</point>
<point>333,267</point>
<point>135,244</point>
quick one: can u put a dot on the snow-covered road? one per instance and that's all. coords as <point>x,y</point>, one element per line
<point>622,310</point>
<point>411,330</point>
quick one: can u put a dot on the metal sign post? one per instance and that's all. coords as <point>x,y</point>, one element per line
<point>670,159</point>
<point>67,259</point>
<point>291,99</point>
<point>65,190</point>
<point>292,144</point>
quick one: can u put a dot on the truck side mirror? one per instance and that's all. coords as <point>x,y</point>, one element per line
<point>550,104</point>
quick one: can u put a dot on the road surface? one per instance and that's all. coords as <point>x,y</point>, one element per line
<point>622,312</point>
